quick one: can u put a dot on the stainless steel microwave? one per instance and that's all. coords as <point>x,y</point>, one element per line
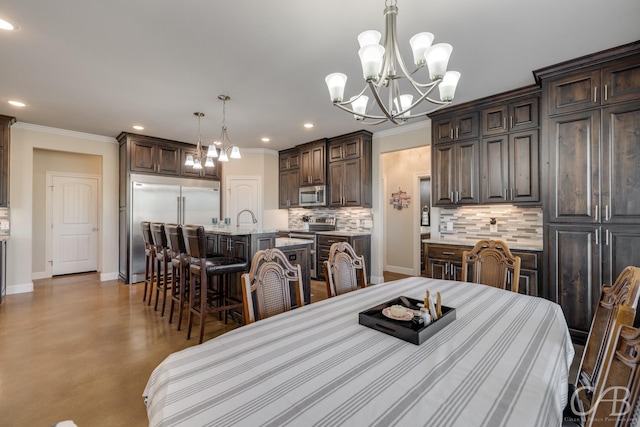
<point>313,195</point>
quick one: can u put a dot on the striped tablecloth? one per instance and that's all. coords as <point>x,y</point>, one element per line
<point>503,362</point>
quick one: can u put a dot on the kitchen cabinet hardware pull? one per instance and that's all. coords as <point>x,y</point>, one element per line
<point>606,237</point>
<point>451,133</point>
<point>595,213</point>
<point>597,236</point>
<point>606,96</point>
<point>457,132</point>
<point>511,124</point>
<point>606,212</point>
<point>457,196</point>
<point>448,253</point>
<point>452,197</point>
<point>595,94</point>
<point>504,123</point>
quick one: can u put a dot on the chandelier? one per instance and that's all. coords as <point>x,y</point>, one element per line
<point>388,79</point>
<point>195,160</point>
<point>223,141</point>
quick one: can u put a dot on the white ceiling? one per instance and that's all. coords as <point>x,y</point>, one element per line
<point>101,66</point>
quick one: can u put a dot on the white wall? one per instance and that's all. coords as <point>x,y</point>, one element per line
<point>399,138</point>
<point>263,163</point>
<point>24,139</point>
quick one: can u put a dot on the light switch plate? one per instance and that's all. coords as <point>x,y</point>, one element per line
<point>493,228</point>
<point>368,223</point>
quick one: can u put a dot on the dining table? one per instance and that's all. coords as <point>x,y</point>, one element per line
<point>503,361</point>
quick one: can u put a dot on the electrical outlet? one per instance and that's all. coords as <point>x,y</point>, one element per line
<point>449,226</point>
<point>357,223</point>
<point>368,223</point>
<point>493,228</point>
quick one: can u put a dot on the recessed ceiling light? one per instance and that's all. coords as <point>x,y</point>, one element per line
<point>308,125</point>
<point>138,127</point>
<point>266,139</point>
<point>16,103</point>
<point>6,25</point>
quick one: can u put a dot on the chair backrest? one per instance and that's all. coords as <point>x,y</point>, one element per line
<point>617,389</point>
<point>175,239</point>
<point>195,241</point>
<point>159,236</point>
<point>146,234</point>
<point>271,279</point>
<point>345,271</point>
<point>624,292</point>
<point>492,263</point>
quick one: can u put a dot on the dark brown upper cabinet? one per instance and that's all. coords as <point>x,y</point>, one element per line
<point>5,136</point>
<point>349,180</point>
<point>313,163</point>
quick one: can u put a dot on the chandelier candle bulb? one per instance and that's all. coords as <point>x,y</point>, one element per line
<point>335,83</point>
<point>371,59</point>
<point>437,57</point>
<point>419,45</point>
<point>369,37</point>
<point>405,103</point>
<point>448,85</point>
<point>359,105</point>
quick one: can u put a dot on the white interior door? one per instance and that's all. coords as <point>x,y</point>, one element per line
<point>74,222</point>
<point>243,193</point>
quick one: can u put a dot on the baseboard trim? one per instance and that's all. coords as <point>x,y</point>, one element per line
<point>40,275</point>
<point>400,270</point>
<point>20,289</point>
<point>104,277</point>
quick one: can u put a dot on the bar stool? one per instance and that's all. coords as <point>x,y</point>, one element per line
<point>149,258</point>
<point>162,263</point>
<point>179,270</point>
<point>205,273</point>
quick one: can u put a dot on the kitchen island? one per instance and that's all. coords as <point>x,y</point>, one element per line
<point>242,242</point>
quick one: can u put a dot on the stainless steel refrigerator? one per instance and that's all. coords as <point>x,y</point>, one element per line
<point>168,200</point>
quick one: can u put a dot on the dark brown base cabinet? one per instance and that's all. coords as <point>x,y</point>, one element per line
<point>590,177</point>
<point>444,261</point>
<point>361,245</point>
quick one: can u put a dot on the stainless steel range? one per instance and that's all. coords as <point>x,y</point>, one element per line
<point>322,223</point>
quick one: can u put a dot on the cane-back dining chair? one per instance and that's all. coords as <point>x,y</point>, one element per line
<point>344,271</point>
<point>493,264</point>
<point>272,279</point>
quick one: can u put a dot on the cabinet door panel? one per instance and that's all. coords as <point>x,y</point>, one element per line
<point>621,164</point>
<point>443,130</point>
<point>438,268</point>
<point>442,182</point>
<point>351,186</point>
<point>621,81</point>
<point>168,160</point>
<point>524,174</point>
<point>574,167</point>
<point>336,179</point>
<point>495,169</point>
<point>574,273</point>
<point>468,126</point>
<point>494,120</point>
<point>143,156</point>
<point>621,248</point>
<point>524,114</point>
<point>467,173</point>
<point>575,92</point>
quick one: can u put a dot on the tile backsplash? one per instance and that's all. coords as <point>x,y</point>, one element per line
<point>515,223</point>
<point>347,219</point>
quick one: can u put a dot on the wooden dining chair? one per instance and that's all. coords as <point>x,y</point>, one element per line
<point>493,264</point>
<point>344,271</point>
<point>624,292</point>
<point>272,279</point>
<point>179,270</point>
<point>617,389</point>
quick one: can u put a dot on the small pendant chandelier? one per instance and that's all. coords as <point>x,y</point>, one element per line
<point>196,161</point>
<point>224,141</point>
<point>388,79</point>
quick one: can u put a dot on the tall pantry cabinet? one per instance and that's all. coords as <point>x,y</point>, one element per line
<point>590,177</point>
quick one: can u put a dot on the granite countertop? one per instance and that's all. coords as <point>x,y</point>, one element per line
<point>236,231</point>
<point>530,245</point>
<point>288,241</point>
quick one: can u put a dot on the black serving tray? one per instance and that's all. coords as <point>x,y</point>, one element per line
<point>405,330</point>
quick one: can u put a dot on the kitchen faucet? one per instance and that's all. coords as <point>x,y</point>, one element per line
<point>253,217</point>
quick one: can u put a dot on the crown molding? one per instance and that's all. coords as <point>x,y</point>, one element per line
<point>397,130</point>
<point>63,132</point>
